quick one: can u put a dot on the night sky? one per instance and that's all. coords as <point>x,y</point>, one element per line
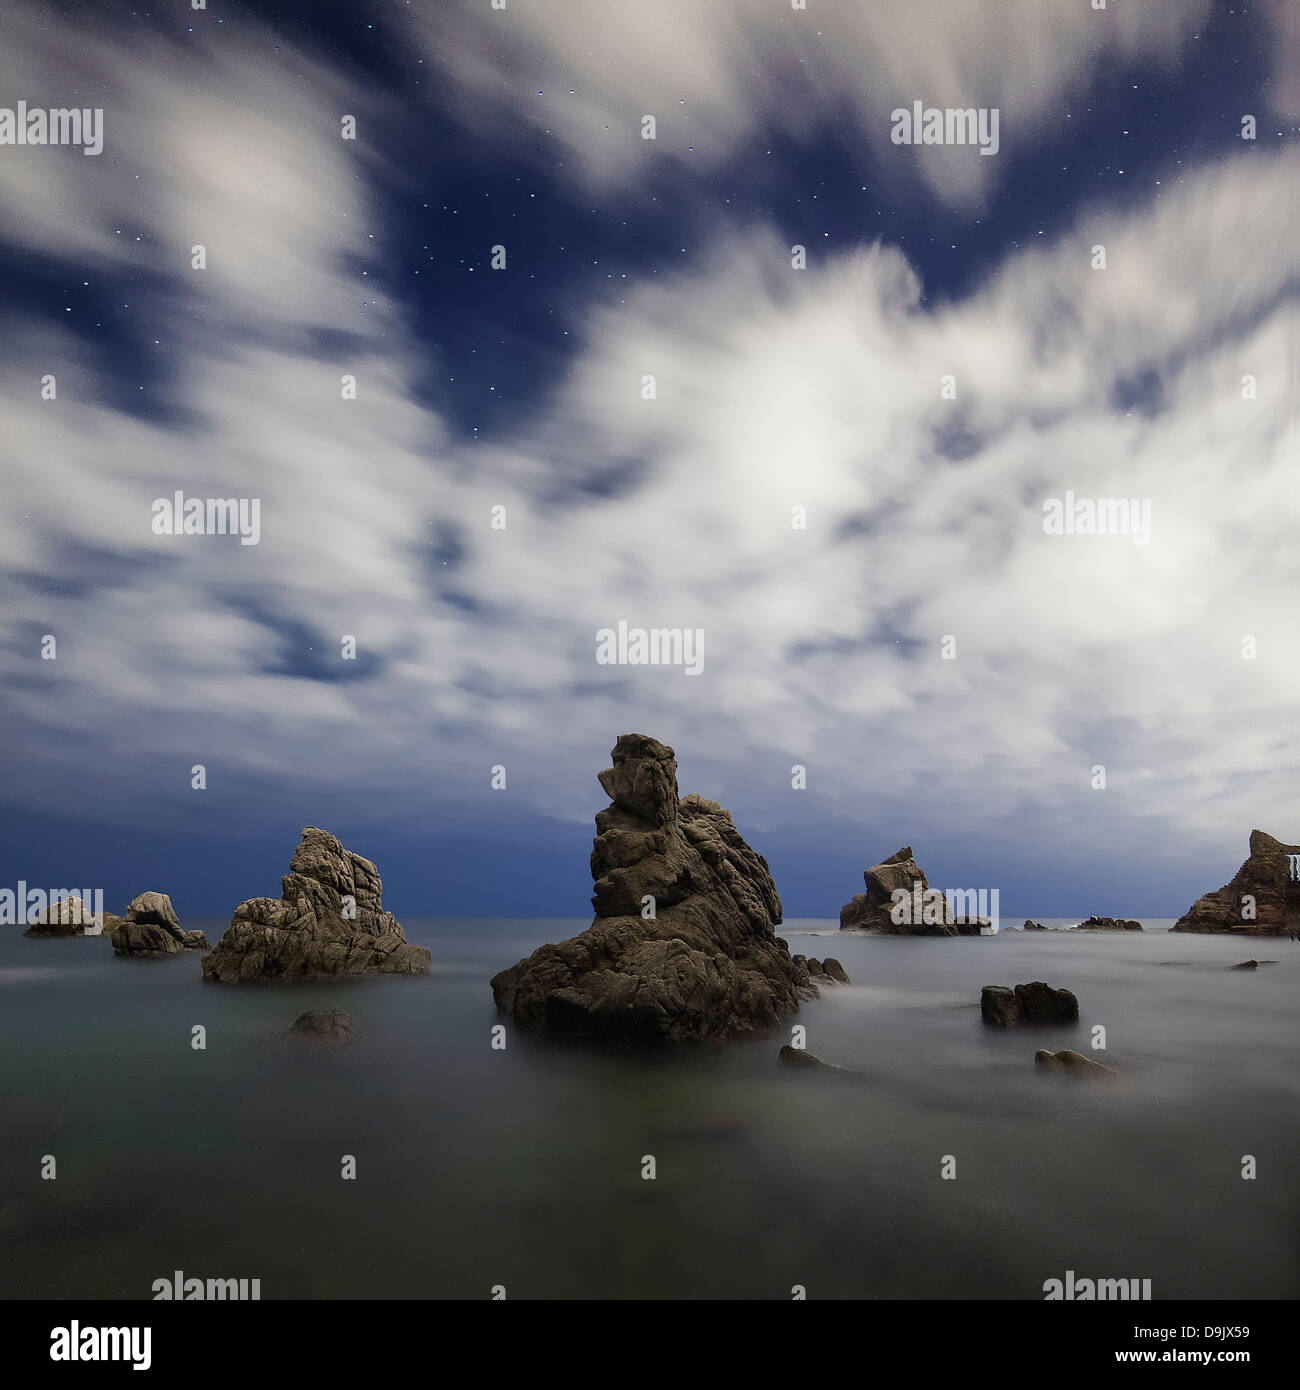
<point>776,388</point>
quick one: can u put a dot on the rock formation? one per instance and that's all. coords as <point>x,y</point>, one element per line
<point>1067,1061</point>
<point>682,947</point>
<point>323,1025</point>
<point>329,920</point>
<point>68,916</point>
<point>923,912</point>
<point>1267,885</point>
<point>1032,1003</point>
<point>1108,924</point>
<point>828,970</point>
<point>1032,926</point>
<point>151,928</point>
<point>800,1059</point>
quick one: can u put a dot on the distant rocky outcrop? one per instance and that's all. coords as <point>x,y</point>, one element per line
<point>329,920</point>
<point>69,916</point>
<point>1108,924</point>
<point>683,946</point>
<point>1036,1002</point>
<point>323,1025</point>
<point>1067,1061</point>
<point>923,913</point>
<point>1033,926</point>
<point>151,928</point>
<point>1267,886</point>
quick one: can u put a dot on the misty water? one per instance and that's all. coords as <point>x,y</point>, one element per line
<point>523,1167</point>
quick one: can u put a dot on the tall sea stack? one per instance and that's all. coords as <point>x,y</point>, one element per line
<point>683,945</point>
<point>329,920</point>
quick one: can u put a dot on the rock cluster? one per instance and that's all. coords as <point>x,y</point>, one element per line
<point>683,946</point>
<point>1032,1003</point>
<point>1108,924</point>
<point>828,970</point>
<point>151,928</point>
<point>1032,926</point>
<point>1266,886</point>
<point>329,920</point>
<point>923,913</point>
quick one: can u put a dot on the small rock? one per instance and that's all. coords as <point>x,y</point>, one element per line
<point>833,970</point>
<point>324,1025</point>
<point>1033,926</point>
<point>1108,924</point>
<point>1071,1062</point>
<point>68,916</point>
<point>798,1057</point>
<point>1035,1002</point>
<point>815,966</point>
<point>1251,964</point>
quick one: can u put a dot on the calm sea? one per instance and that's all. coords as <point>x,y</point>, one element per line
<point>523,1167</point>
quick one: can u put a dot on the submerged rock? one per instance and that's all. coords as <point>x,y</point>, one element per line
<point>151,928</point>
<point>800,1059</point>
<point>925,912</point>
<point>323,1025</point>
<point>1067,1061</point>
<point>69,916</point>
<point>1251,964</point>
<point>1035,1002</point>
<point>683,946</point>
<point>329,920</point>
<point>1108,924</point>
<point>1266,885</point>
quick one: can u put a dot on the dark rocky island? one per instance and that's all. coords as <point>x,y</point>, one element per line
<point>151,928</point>
<point>873,910</point>
<point>1108,924</point>
<point>329,920</point>
<point>1032,1003</point>
<point>1268,880</point>
<point>683,946</point>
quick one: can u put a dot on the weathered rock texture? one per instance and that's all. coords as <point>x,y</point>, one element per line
<point>1266,877</point>
<point>69,916</point>
<point>1108,924</point>
<point>151,928</point>
<point>706,965</point>
<point>871,911</point>
<point>329,920</point>
<point>1032,1003</point>
<point>323,1025</point>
